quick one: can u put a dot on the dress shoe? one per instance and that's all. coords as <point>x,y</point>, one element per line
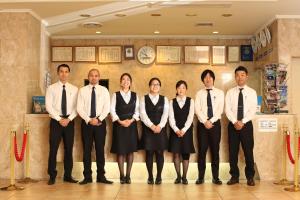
<point>177,180</point>
<point>104,180</point>
<point>128,180</point>
<point>250,182</point>
<point>233,181</point>
<point>184,181</point>
<point>217,181</point>
<point>122,180</point>
<point>70,180</point>
<point>150,181</point>
<point>199,181</point>
<point>51,181</point>
<point>158,181</point>
<point>85,181</point>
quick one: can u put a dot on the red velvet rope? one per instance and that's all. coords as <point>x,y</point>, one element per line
<point>288,146</point>
<point>20,157</point>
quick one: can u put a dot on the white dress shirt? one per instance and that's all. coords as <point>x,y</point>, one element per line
<point>249,100</point>
<point>53,100</point>
<point>217,101</point>
<point>126,97</point>
<point>144,116</point>
<point>84,102</point>
<point>190,118</point>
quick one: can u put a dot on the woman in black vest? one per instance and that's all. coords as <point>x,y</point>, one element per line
<point>154,115</point>
<point>181,117</point>
<point>125,113</point>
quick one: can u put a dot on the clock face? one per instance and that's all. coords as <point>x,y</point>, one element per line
<point>146,55</point>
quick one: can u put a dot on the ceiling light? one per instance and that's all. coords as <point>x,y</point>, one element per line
<point>191,15</point>
<point>85,15</point>
<point>92,25</point>
<point>227,15</point>
<point>156,32</point>
<point>155,15</point>
<point>98,32</point>
<point>120,15</point>
<point>215,32</point>
<point>204,24</point>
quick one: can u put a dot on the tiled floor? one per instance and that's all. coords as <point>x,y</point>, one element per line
<point>142,191</point>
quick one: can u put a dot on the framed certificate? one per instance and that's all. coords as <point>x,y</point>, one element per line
<point>61,54</point>
<point>218,55</point>
<point>110,54</point>
<point>85,54</point>
<point>233,54</point>
<point>168,54</point>
<point>129,52</point>
<point>246,53</point>
<point>196,54</point>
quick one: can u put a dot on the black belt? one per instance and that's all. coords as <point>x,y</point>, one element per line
<point>64,116</point>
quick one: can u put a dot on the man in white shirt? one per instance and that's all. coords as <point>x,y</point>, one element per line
<point>61,100</point>
<point>209,105</point>
<point>240,108</point>
<point>93,106</point>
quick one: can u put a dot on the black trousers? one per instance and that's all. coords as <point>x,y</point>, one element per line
<point>245,137</point>
<point>93,134</point>
<point>58,132</point>
<point>209,138</point>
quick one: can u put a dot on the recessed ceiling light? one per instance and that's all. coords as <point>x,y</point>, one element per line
<point>85,15</point>
<point>227,15</point>
<point>191,15</point>
<point>156,32</point>
<point>92,25</point>
<point>120,15</point>
<point>215,32</point>
<point>98,32</point>
<point>155,15</point>
<point>204,24</point>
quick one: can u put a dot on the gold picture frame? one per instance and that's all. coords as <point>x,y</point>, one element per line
<point>168,54</point>
<point>109,54</point>
<point>197,54</point>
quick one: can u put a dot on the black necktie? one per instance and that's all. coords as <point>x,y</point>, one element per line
<point>240,111</point>
<point>64,102</point>
<point>209,105</point>
<point>93,104</point>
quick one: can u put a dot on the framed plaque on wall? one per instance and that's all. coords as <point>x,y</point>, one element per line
<point>85,54</point>
<point>110,54</point>
<point>168,54</point>
<point>61,54</point>
<point>196,54</point>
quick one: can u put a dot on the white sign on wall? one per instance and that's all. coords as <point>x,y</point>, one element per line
<point>267,125</point>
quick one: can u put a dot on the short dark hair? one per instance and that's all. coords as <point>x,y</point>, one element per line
<point>181,82</point>
<point>205,72</point>
<point>63,65</point>
<point>153,79</point>
<point>241,68</point>
<point>126,74</point>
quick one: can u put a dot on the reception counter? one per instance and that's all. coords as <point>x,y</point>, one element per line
<point>267,150</point>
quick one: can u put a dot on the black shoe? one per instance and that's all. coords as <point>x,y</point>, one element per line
<point>51,181</point>
<point>104,180</point>
<point>233,181</point>
<point>70,180</point>
<point>128,180</point>
<point>199,181</point>
<point>217,181</point>
<point>250,182</point>
<point>158,181</point>
<point>122,180</point>
<point>150,181</point>
<point>85,181</point>
<point>184,181</point>
<point>177,180</point>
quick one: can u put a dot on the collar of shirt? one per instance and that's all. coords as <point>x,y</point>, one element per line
<point>182,100</point>
<point>125,94</point>
<point>91,86</point>
<point>61,84</point>
<point>244,88</point>
<point>212,88</point>
<point>152,97</point>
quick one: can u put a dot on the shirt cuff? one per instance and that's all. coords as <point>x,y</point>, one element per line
<point>245,120</point>
<point>87,120</point>
<point>57,118</point>
<point>114,118</point>
<point>136,118</point>
<point>213,119</point>
<point>185,129</point>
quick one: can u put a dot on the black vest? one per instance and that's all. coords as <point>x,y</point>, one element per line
<point>154,112</point>
<point>124,110</point>
<point>181,114</point>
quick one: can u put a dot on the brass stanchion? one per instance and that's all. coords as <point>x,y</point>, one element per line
<point>295,187</point>
<point>284,181</point>
<point>27,178</point>
<point>12,185</point>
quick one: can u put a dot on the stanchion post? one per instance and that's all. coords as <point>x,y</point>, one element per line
<point>283,181</point>
<point>12,185</point>
<point>295,187</point>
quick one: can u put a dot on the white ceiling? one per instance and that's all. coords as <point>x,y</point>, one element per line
<point>63,17</point>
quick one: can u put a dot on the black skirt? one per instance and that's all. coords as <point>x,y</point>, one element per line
<point>125,139</point>
<point>183,144</point>
<point>151,141</point>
